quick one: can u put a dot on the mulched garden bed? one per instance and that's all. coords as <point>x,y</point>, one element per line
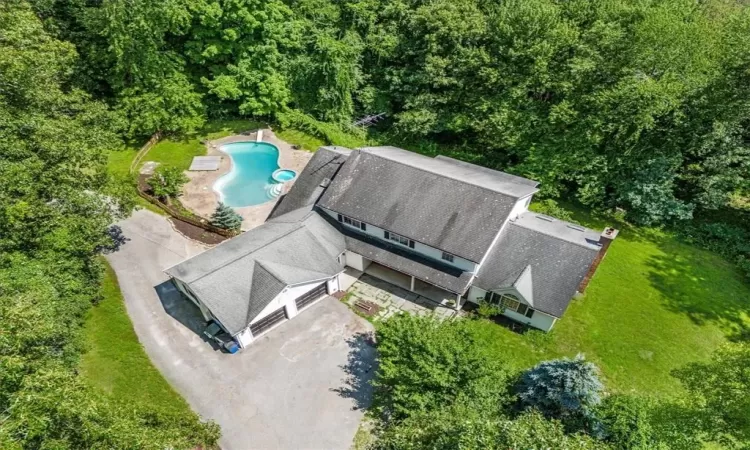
<point>197,233</point>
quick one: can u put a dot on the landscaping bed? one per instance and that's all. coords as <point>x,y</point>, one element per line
<point>197,233</point>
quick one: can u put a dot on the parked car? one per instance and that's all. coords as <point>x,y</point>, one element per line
<point>214,332</point>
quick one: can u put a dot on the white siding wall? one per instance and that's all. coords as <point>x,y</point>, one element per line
<point>285,299</point>
<point>539,320</point>
<point>426,250</point>
<point>475,295</point>
<point>333,284</point>
<point>182,288</point>
<point>356,261</point>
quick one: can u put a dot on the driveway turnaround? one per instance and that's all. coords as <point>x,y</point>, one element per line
<point>301,386</point>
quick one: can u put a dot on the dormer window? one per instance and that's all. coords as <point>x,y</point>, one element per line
<point>447,257</point>
<point>353,222</point>
<point>398,238</point>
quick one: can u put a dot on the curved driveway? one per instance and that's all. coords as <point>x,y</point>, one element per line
<point>302,386</point>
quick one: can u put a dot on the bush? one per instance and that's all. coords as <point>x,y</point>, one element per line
<point>550,207</point>
<point>167,182</point>
<point>728,240</point>
<point>330,133</point>
<point>565,389</point>
<point>720,391</point>
<point>425,364</point>
<point>225,217</point>
<point>626,423</point>
<point>469,426</point>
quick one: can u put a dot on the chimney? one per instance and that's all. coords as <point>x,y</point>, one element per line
<point>605,240</point>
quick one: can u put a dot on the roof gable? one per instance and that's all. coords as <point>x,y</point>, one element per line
<point>236,282</point>
<point>543,259</point>
<point>524,285</point>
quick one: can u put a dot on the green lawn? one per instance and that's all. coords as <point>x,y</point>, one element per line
<point>653,305</point>
<point>115,361</point>
<point>180,150</point>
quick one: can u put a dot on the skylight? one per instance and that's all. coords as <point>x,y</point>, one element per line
<point>577,227</point>
<point>545,218</point>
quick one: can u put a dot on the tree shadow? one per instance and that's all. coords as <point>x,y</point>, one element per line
<point>118,240</point>
<point>685,279</point>
<point>360,369</point>
<point>183,310</point>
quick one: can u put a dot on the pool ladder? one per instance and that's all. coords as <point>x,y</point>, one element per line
<point>274,190</point>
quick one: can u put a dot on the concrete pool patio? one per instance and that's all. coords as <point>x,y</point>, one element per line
<point>200,197</point>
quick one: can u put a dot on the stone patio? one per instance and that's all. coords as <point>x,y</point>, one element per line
<point>200,197</point>
<point>392,299</point>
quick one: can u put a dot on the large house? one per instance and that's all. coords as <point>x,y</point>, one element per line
<point>452,231</point>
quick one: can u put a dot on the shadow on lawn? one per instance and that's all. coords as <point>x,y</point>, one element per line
<point>688,288</point>
<point>360,369</point>
<point>182,310</point>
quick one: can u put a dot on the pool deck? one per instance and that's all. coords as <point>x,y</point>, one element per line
<point>199,196</point>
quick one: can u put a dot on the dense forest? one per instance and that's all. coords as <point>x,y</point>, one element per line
<point>641,105</point>
<point>635,106</point>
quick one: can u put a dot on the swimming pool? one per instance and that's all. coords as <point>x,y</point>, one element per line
<point>250,181</point>
<point>284,175</point>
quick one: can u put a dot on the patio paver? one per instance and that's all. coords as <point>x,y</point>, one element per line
<point>392,299</point>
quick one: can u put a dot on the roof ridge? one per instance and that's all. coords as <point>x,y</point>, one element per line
<point>579,244</point>
<point>263,264</point>
<point>442,175</point>
<point>297,227</point>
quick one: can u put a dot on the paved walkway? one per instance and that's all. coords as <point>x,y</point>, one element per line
<point>301,386</point>
<point>392,299</point>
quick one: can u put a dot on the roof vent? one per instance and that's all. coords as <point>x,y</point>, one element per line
<point>576,227</point>
<point>325,182</point>
<point>545,218</point>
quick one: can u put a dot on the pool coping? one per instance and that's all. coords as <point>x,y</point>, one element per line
<point>200,197</point>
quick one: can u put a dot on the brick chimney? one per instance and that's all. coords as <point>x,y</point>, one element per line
<point>605,240</point>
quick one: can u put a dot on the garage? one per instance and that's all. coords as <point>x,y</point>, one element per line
<point>310,297</point>
<point>269,321</point>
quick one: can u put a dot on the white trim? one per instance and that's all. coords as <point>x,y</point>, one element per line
<point>313,281</point>
<point>500,231</point>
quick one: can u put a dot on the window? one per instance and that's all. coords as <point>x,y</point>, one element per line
<point>447,256</point>
<point>509,302</point>
<point>353,222</point>
<point>400,239</point>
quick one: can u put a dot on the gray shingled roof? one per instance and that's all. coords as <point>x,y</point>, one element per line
<point>240,277</point>
<point>559,255</point>
<point>310,183</point>
<point>440,202</point>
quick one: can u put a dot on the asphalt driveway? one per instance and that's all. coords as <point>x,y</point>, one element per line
<point>302,386</point>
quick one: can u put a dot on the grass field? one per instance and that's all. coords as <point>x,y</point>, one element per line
<point>654,304</point>
<point>180,150</point>
<point>115,361</point>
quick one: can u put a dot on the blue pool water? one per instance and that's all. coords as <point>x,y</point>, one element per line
<point>284,175</point>
<point>250,181</point>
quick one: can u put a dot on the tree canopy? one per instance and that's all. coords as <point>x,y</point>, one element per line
<point>638,105</point>
<point>57,203</point>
